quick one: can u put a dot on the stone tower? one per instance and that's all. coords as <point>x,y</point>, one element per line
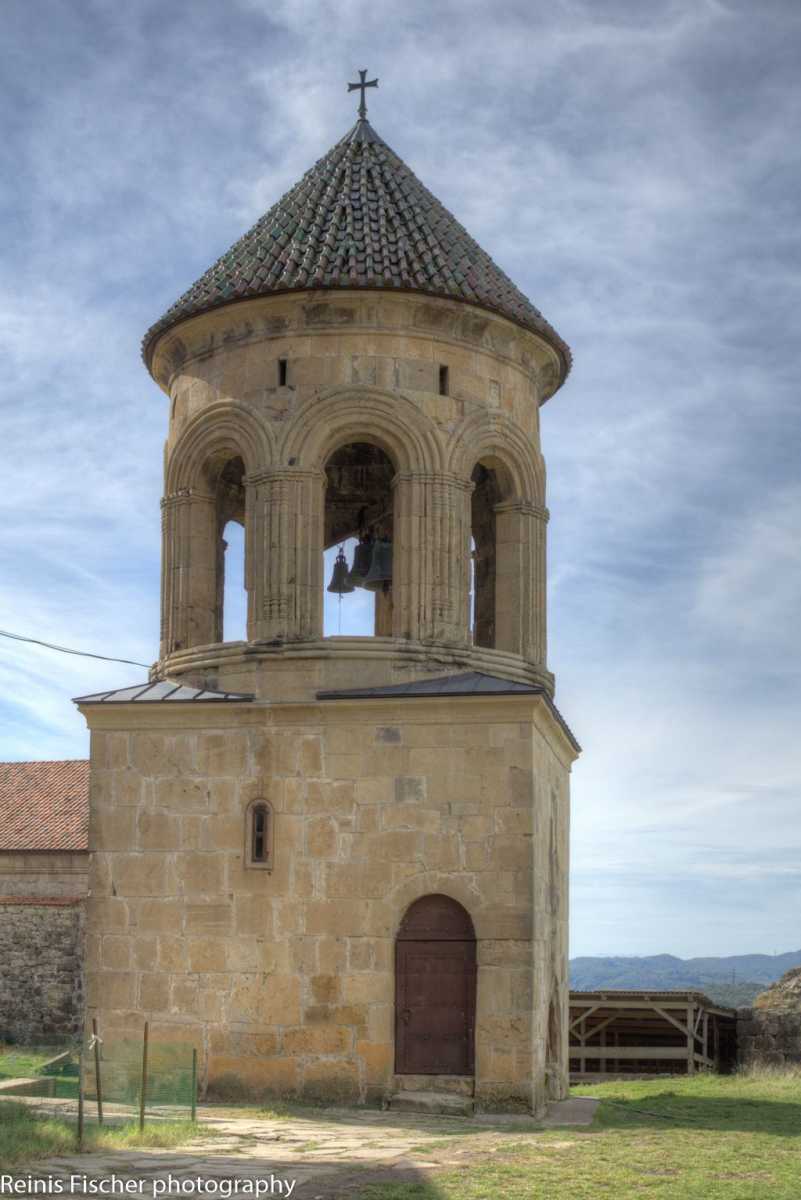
<point>338,865</point>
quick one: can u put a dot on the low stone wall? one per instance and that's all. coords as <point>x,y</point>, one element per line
<point>768,1037</point>
<point>41,969</point>
<point>44,873</point>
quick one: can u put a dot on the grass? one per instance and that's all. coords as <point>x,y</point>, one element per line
<point>26,1136</point>
<point>24,1063</point>
<point>706,1137</point>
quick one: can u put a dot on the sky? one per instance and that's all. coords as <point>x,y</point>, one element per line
<point>635,169</point>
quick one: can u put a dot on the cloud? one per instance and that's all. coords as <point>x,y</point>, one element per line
<point>634,169</point>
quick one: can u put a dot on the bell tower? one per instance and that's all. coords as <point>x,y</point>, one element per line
<point>355,371</point>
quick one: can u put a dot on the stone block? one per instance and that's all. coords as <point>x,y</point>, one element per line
<point>207,954</point>
<point>331,954</point>
<point>303,954</point>
<point>310,758</point>
<point>172,953</point>
<point>378,1059</point>
<point>223,754</point>
<point>208,918</point>
<point>158,830</point>
<point>325,989</point>
<point>333,1081</point>
<point>344,918</point>
<point>140,875</point>
<point>253,915</point>
<point>364,880</point>
<point>154,992</point>
<point>115,952</point>
<point>112,829</point>
<point>183,795</point>
<point>115,989</point>
<point>265,999</point>
<point>232,1078</point>
<point>411,816</point>
<point>337,798</point>
<point>201,874</point>
<point>367,987</point>
<point>321,838</point>
<point>317,1039</point>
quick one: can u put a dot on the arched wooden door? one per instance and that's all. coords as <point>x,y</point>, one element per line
<point>435,989</point>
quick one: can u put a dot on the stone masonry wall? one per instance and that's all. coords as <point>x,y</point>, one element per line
<point>284,980</point>
<point>41,949</point>
<point>768,1038</point>
<point>49,874</point>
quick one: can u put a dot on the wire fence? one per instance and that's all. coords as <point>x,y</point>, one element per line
<point>101,1079</point>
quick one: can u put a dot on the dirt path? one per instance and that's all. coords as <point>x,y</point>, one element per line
<point>320,1156</point>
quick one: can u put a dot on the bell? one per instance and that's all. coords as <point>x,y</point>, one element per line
<point>362,558</point>
<point>380,574</point>
<point>340,582</point>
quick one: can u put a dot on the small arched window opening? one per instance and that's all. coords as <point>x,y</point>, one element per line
<point>359,523</point>
<point>484,566</point>
<point>259,839</point>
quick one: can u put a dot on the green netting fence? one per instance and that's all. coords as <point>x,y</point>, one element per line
<point>124,1077</point>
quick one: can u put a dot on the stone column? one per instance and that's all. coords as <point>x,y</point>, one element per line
<point>432,551</point>
<point>285,553</point>
<point>188,571</point>
<point>520,599</point>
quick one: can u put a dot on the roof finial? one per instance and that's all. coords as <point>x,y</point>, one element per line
<point>361,85</point>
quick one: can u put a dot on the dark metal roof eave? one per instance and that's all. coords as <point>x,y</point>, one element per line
<point>548,334</point>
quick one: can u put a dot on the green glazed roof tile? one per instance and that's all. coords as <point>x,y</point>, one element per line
<point>358,218</point>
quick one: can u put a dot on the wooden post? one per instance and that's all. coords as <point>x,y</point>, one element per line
<point>194,1084</point>
<point>80,1094</point>
<point>144,1082</point>
<point>690,1040</point>
<point>98,1084</point>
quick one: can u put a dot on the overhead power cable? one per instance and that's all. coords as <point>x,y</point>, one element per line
<point>17,637</point>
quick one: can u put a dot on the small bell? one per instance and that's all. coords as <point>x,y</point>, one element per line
<point>362,558</point>
<point>340,582</point>
<point>380,574</point>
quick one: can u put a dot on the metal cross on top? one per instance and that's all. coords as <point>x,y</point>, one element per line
<point>360,86</point>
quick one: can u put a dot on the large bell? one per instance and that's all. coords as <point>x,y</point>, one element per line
<point>340,581</point>
<point>362,558</point>
<point>380,574</point>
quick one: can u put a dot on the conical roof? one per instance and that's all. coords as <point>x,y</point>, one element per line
<point>359,218</point>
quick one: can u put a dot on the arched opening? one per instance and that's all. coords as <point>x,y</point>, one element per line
<point>359,533</point>
<point>435,989</point>
<point>235,597</point>
<point>231,608</point>
<point>484,574</point>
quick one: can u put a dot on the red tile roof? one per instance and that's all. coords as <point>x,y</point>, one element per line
<point>44,805</point>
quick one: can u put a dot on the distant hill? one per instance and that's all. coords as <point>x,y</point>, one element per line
<point>731,981</point>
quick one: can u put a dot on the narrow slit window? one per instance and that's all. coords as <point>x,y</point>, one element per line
<point>259,836</point>
<point>443,381</point>
<point>282,372</point>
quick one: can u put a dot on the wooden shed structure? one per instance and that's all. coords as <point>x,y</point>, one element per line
<point>649,1033</point>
